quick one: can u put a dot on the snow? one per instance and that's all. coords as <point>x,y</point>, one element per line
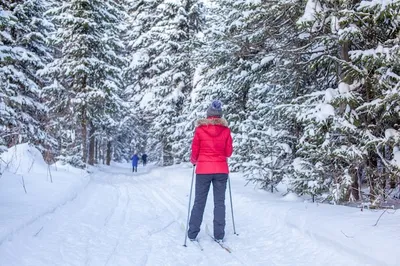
<point>121,218</point>
<point>24,164</point>
<point>138,60</point>
<point>196,83</point>
<point>374,3</point>
<point>291,197</point>
<point>396,156</point>
<point>298,164</point>
<point>347,124</point>
<point>325,111</point>
<point>267,59</point>
<point>344,88</point>
<point>334,24</point>
<point>304,36</point>
<point>392,133</point>
<point>330,95</point>
<point>321,112</point>
<point>285,147</point>
<point>377,52</point>
<point>311,9</point>
<point>147,98</point>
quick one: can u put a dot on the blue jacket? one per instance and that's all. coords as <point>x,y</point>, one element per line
<point>135,160</point>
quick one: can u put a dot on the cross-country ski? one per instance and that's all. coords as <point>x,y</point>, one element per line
<point>219,242</point>
<point>197,243</point>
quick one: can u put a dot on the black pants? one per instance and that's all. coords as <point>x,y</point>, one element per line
<point>134,168</point>
<point>203,183</point>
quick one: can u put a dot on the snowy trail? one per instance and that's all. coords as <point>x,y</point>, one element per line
<point>138,219</point>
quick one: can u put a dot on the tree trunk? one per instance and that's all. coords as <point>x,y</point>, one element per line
<point>84,135</point>
<point>373,180</point>
<point>96,152</point>
<point>100,151</point>
<point>108,152</point>
<point>372,191</point>
<point>103,152</point>
<point>344,54</point>
<point>167,154</point>
<point>355,188</point>
<point>360,171</point>
<point>91,144</point>
<point>345,51</point>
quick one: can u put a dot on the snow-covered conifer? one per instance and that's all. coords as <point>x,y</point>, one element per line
<point>23,51</point>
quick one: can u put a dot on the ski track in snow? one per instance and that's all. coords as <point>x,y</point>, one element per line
<point>122,218</point>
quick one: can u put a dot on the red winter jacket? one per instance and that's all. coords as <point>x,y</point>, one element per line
<point>211,146</point>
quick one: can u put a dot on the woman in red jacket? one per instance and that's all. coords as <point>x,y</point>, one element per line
<point>211,146</point>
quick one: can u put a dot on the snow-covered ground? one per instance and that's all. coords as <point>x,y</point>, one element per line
<point>115,217</point>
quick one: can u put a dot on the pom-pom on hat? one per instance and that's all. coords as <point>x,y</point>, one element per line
<point>215,109</point>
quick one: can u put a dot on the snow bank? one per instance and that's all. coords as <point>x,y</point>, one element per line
<point>344,230</point>
<point>349,230</point>
<point>22,159</point>
<point>29,188</point>
<point>291,197</point>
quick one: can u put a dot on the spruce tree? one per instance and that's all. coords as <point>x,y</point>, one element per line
<point>161,63</point>
<point>85,94</point>
<point>340,137</point>
<point>24,51</point>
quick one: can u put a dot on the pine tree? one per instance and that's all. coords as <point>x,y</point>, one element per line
<point>373,53</point>
<point>113,116</point>
<point>163,31</point>
<point>337,141</point>
<point>225,70</point>
<point>192,23</point>
<point>243,70</point>
<point>24,51</point>
<point>85,94</point>
<point>325,111</point>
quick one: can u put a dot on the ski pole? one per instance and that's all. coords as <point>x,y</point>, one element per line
<point>230,195</point>
<point>190,199</point>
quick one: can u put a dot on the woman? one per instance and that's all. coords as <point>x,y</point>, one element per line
<point>211,146</point>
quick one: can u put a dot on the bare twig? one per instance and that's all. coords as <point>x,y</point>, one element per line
<point>49,173</point>
<point>6,163</point>
<point>37,233</point>
<point>380,217</point>
<point>30,168</point>
<point>23,184</point>
<point>346,235</point>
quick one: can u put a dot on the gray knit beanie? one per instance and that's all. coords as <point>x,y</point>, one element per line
<point>215,109</point>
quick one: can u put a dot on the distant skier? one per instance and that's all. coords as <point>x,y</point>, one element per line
<point>144,159</point>
<point>211,146</point>
<point>135,160</point>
